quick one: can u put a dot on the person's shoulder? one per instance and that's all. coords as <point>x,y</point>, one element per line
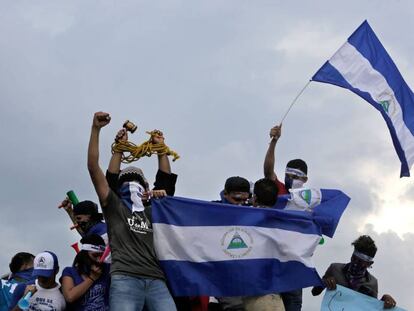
<point>281,188</point>
<point>372,279</point>
<point>111,199</point>
<point>69,271</point>
<point>337,265</point>
<point>334,268</point>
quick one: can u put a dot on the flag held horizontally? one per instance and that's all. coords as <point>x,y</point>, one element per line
<point>219,250</point>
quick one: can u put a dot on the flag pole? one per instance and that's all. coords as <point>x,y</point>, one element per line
<point>294,101</point>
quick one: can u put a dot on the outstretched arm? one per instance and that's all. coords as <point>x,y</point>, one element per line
<point>100,119</point>
<point>269,162</point>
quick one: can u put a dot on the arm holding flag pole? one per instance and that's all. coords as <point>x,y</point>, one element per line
<point>275,133</point>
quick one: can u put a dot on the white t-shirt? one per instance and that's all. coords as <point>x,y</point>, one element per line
<point>47,299</point>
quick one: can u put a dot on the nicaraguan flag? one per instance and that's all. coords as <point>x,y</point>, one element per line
<point>217,249</point>
<point>326,206</point>
<point>363,66</point>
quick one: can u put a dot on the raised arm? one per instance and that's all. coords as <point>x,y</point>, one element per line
<point>100,119</point>
<point>163,161</point>
<point>115,162</point>
<point>67,206</point>
<point>269,162</point>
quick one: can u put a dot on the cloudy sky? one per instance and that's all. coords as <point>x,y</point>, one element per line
<point>214,76</point>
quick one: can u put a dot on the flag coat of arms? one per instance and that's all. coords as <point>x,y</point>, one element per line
<point>363,66</point>
<point>216,249</point>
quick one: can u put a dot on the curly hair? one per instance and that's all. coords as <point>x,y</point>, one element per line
<point>364,244</point>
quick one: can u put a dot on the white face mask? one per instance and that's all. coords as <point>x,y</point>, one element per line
<point>297,183</point>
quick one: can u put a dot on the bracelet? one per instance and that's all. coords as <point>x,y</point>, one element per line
<point>91,278</point>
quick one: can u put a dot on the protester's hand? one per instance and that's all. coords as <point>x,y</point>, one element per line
<point>330,282</point>
<point>30,288</point>
<point>96,272</point>
<point>158,138</point>
<point>122,135</point>
<point>66,204</point>
<point>389,302</point>
<point>158,194</point>
<point>101,119</point>
<point>275,132</point>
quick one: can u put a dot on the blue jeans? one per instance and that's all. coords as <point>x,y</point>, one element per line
<point>292,300</point>
<point>130,293</point>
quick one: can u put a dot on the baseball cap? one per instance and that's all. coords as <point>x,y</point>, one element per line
<point>45,264</point>
<point>85,208</point>
<point>237,184</point>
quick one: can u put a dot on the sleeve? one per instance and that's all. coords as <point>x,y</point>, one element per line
<point>375,289</point>
<point>18,293</point>
<point>112,179</point>
<point>329,272</point>
<point>67,272</point>
<point>370,288</point>
<point>165,181</point>
<point>111,209</point>
<point>281,189</point>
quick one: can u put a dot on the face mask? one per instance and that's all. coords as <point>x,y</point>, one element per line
<point>86,225</point>
<point>297,183</point>
<point>25,274</point>
<point>356,269</point>
<point>131,195</point>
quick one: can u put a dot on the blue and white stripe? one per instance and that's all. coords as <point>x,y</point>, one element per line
<point>363,66</point>
<point>192,240</point>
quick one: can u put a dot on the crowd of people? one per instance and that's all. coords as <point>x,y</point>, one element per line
<point>134,280</point>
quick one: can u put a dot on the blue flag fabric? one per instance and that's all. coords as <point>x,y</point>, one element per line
<point>216,249</point>
<point>363,66</point>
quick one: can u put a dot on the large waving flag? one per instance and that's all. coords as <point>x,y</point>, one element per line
<point>218,249</point>
<point>363,66</point>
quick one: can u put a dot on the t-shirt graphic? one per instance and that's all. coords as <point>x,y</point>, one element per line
<point>139,223</point>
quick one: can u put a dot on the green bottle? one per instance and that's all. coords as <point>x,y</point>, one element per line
<point>72,197</point>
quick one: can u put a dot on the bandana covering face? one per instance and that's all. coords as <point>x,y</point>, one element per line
<point>291,183</point>
<point>356,271</point>
<point>131,194</point>
<point>294,183</point>
<point>86,225</point>
<point>25,274</point>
